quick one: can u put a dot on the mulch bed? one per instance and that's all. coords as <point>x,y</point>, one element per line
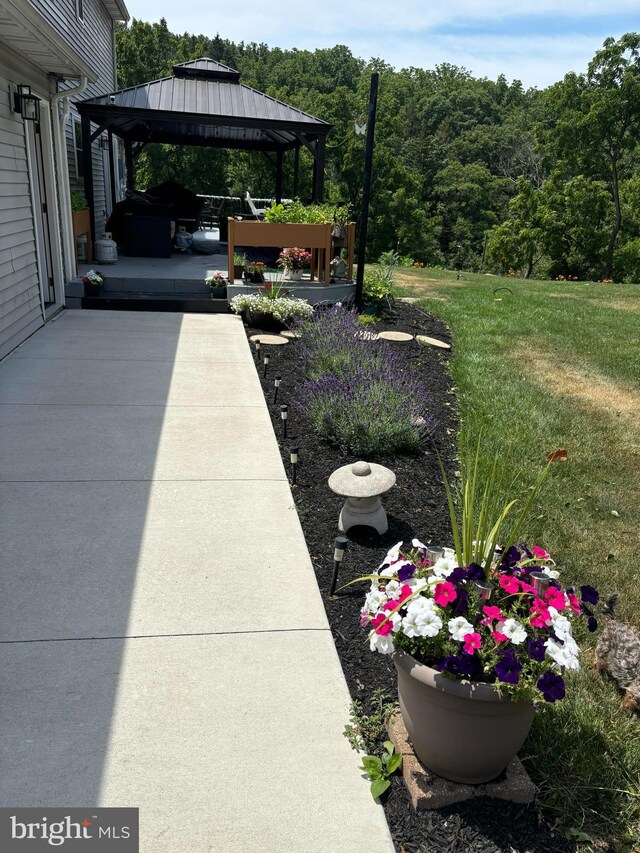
<point>416,506</point>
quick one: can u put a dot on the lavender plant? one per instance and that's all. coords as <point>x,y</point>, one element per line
<point>358,392</point>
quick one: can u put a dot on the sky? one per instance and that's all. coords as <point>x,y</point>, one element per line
<point>535,41</point>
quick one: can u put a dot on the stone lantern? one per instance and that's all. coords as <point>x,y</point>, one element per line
<point>362,484</point>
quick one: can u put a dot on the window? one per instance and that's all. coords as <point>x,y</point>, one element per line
<point>80,10</point>
<point>77,148</point>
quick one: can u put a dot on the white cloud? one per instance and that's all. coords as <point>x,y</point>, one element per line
<point>407,32</point>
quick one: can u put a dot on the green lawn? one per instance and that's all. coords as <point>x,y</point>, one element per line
<point>557,365</point>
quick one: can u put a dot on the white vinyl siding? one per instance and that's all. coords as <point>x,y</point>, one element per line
<point>20,305</point>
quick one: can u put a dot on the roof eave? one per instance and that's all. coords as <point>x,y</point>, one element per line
<point>117,10</point>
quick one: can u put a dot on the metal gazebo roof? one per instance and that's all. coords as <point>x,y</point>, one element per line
<point>203,103</point>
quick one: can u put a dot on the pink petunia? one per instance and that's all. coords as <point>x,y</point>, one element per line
<point>574,603</point>
<point>555,598</point>
<point>540,553</point>
<point>405,592</point>
<point>499,637</point>
<point>444,593</point>
<point>509,584</point>
<point>539,621</point>
<point>492,612</point>
<point>379,628</point>
<point>526,587</point>
<point>471,643</point>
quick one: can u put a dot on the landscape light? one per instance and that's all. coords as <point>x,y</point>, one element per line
<point>293,455</point>
<point>339,547</point>
<point>257,350</point>
<point>266,364</point>
<point>540,582</point>
<point>276,383</point>
<point>284,414</point>
<point>434,554</point>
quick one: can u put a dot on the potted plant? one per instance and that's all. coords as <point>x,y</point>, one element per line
<point>239,263</point>
<point>271,312</point>
<point>477,634</point>
<point>217,284</point>
<point>292,261</point>
<point>93,282</point>
<point>254,272</point>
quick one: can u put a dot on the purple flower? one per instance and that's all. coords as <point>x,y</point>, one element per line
<point>589,594</point>
<point>405,572</point>
<point>592,623</point>
<point>475,572</point>
<point>511,556</point>
<point>551,686</point>
<point>461,604</point>
<point>464,666</point>
<point>457,576</point>
<point>527,553</point>
<point>535,648</point>
<point>508,668</point>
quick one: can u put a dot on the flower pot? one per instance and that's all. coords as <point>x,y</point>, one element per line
<point>462,731</point>
<point>262,320</point>
<point>92,289</point>
<point>254,277</point>
<point>238,272</point>
<point>292,275</point>
<point>218,292</point>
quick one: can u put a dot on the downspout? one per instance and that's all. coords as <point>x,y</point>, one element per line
<point>58,124</point>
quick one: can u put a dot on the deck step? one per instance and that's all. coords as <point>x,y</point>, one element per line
<point>183,303</point>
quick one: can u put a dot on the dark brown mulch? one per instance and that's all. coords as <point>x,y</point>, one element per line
<point>415,507</point>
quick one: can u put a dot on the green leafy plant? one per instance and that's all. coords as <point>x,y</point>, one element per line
<point>380,768</point>
<point>367,319</point>
<point>239,259</point>
<point>366,732</point>
<point>78,201</point>
<point>306,214</point>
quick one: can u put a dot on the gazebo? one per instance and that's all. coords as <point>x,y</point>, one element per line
<point>202,103</point>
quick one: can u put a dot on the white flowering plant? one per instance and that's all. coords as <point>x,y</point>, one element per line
<point>93,277</point>
<point>283,308</point>
<point>479,611</point>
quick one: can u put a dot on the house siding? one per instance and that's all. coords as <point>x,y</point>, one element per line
<point>20,304</point>
<point>92,38</point>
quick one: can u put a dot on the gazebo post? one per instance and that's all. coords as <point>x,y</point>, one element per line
<point>296,170</point>
<point>318,170</point>
<point>87,166</point>
<point>112,172</point>
<point>279,164</point>
<point>128,157</point>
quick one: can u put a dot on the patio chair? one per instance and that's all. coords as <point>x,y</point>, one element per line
<point>258,212</point>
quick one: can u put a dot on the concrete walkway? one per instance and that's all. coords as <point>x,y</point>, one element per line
<point>164,644</point>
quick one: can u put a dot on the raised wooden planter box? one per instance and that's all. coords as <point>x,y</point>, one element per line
<point>82,225</point>
<point>280,235</point>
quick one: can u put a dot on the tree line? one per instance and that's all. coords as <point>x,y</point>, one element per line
<point>470,173</point>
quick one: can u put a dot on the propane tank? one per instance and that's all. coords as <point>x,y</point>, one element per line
<point>105,249</point>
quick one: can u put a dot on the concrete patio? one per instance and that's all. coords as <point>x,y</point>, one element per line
<point>164,644</point>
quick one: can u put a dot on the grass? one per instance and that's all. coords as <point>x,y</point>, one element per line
<point>556,365</point>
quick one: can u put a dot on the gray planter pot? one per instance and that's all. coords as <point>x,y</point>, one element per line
<point>218,292</point>
<point>462,731</point>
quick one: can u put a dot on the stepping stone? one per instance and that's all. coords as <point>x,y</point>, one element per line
<point>425,341</point>
<point>399,337</point>
<point>291,336</point>
<point>269,340</point>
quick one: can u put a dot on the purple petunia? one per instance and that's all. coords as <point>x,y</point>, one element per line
<point>405,572</point>
<point>461,605</point>
<point>535,648</point>
<point>511,556</point>
<point>589,594</point>
<point>508,668</point>
<point>475,572</point>
<point>551,686</point>
<point>457,575</point>
<point>592,624</point>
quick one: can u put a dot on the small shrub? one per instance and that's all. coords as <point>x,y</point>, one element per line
<point>367,732</point>
<point>360,393</point>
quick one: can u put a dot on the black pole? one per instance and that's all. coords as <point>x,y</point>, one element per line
<point>296,171</point>
<point>128,159</point>
<point>279,169</point>
<point>87,164</point>
<point>112,172</point>
<point>366,186</point>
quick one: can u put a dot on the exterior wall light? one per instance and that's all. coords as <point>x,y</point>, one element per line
<point>26,104</point>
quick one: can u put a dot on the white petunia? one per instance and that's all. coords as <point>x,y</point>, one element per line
<point>374,600</point>
<point>416,543</point>
<point>392,555</point>
<point>393,589</point>
<point>560,624</point>
<point>564,655</point>
<point>512,629</point>
<point>459,628</point>
<point>383,645</point>
<point>421,622</point>
<point>443,567</point>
